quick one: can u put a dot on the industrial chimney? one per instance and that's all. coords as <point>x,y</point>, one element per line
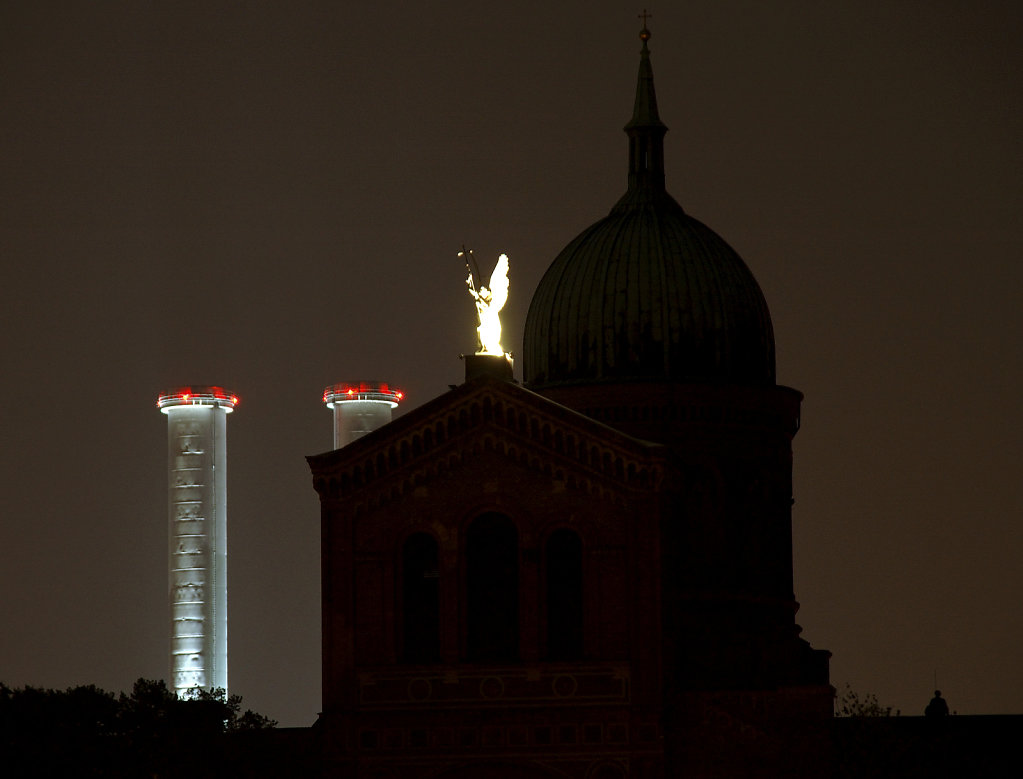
<point>360,408</point>
<point>197,508</point>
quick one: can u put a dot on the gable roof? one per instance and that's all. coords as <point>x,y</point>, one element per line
<point>486,414</point>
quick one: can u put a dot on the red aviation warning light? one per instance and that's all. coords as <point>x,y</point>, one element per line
<point>363,390</point>
<point>217,397</point>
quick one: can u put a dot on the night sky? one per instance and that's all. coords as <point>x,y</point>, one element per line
<point>270,197</point>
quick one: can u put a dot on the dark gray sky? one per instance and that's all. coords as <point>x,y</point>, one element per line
<point>270,197</point>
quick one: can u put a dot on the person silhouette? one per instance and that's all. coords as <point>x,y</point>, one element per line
<point>937,707</point>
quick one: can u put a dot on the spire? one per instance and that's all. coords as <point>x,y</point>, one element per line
<point>645,130</point>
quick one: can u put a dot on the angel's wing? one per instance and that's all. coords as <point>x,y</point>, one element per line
<point>499,284</point>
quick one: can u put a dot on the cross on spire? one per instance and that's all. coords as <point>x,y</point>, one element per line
<point>644,34</point>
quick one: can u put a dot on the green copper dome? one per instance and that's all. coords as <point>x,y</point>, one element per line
<point>648,292</point>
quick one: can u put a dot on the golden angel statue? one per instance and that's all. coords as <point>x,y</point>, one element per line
<point>489,302</point>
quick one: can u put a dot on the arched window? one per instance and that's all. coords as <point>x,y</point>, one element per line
<point>564,578</point>
<point>420,600</point>
<point>492,589</point>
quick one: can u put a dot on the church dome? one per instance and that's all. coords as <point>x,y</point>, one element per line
<point>648,293</point>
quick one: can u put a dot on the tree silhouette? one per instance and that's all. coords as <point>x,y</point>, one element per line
<point>849,703</point>
<point>85,731</point>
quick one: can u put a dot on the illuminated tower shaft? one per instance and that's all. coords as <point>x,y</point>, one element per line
<point>359,408</point>
<point>197,549</point>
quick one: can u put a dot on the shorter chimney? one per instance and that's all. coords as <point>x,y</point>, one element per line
<point>360,408</point>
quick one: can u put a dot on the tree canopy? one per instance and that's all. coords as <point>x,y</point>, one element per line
<point>86,731</point>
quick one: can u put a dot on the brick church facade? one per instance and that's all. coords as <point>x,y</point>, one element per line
<point>589,574</point>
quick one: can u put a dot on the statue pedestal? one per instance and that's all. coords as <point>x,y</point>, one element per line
<point>497,365</point>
